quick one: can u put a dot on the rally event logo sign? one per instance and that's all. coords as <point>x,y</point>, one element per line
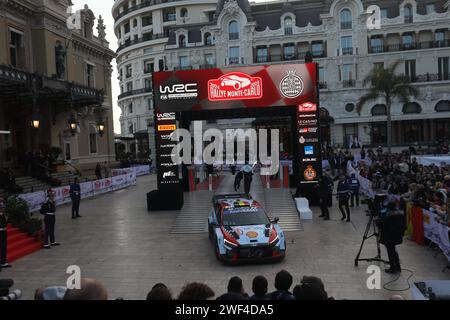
<point>291,86</point>
<point>235,86</point>
<point>310,173</point>
<point>307,107</point>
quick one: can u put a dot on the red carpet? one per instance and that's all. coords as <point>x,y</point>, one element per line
<point>274,184</point>
<point>20,244</point>
<point>217,180</point>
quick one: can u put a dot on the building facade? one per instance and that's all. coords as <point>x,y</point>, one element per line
<point>55,80</point>
<point>347,38</point>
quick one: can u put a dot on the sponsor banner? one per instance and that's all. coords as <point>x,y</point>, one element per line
<point>62,195</point>
<point>87,189</point>
<point>436,232</point>
<point>102,186</point>
<point>142,170</point>
<point>166,127</point>
<point>34,200</point>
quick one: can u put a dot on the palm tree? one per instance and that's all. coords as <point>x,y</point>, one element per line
<point>385,83</point>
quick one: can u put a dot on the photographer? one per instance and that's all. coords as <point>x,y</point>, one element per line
<point>392,226</point>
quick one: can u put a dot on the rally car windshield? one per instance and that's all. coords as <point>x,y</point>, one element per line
<point>244,216</point>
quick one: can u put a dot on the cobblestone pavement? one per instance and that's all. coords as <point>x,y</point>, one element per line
<point>129,249</point>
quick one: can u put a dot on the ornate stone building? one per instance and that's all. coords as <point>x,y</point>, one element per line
<point>346,37</point>
<point>55,83</point>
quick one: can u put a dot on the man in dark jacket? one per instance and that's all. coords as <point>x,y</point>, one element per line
<point>343,195</point>
<point>235,290</point>
<point>283,282</point>
<point>3,235</point>
<point>75,195</point>
<point>325,187</point>
<point>237,180</point>
<point>392,228</point>
<point>48,209</point>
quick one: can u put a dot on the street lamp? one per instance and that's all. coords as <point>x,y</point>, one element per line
<point>35,121</point>
<point>73,124</point>
<point>101,127</point>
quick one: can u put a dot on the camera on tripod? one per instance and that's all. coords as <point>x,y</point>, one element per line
<point>378,205</point>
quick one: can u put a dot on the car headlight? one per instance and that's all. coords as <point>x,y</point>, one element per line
<point>275,240</point>
<point>228,244</point>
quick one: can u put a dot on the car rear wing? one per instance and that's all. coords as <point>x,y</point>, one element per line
<point>219,197</point>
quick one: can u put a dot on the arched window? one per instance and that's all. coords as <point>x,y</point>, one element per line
<point>411,107</point>
<point>208,40</point>
<point>183,13</point>
<point>288,26</point>
<point>443,106</point>
<point>233,30</point>
<point>182,41</point>
<point>408,14</point>
<point>346,19</point>
<point>379,110</point>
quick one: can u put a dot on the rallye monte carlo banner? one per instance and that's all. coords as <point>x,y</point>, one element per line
<point>281,85</point>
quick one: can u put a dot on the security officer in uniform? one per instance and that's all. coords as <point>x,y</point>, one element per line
<point>48,209</point>
<point>354,188</point>
<point>3,235</point>
<point>75,195</point>
<point>343,195</point>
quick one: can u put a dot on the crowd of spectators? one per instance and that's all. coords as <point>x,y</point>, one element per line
<point>399,174</point>
<point>309,288</point>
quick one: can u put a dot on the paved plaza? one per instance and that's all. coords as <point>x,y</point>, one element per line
<point>129,250</point>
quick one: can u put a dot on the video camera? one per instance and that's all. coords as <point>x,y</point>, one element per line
<point>5,294</point>
<point>378,205</point>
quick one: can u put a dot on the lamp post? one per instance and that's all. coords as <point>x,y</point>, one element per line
<point>101,127</point>
<point>73,124</point>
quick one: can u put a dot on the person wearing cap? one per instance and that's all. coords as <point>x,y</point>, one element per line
<point>48,209</point>
<point>3,235</point>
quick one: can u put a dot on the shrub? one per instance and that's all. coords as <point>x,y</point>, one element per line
<point>19,216</point>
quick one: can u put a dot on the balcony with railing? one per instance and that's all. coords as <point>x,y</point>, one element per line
<point>345,25</point>
<point>347,51</point>
<point>431,77</point>
<point>349,83</point>
<point>323,85</point>
<point>410,46</point>
<point>207,66</point>
<point>233,36</point>
<point>264,58</point>
<point>142,5</point>
<point>135,92</point>
<point>182,68</point>
<point>233,60</point>
<point>146,38</point>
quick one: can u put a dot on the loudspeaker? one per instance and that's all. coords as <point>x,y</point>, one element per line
<point>158,200</point>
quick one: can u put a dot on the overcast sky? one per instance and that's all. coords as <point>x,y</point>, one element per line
<point>103,8</point>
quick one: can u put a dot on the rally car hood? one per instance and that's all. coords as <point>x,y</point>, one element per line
<point>250,235</point>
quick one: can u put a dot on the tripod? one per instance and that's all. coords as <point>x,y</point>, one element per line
<point>366,236</point>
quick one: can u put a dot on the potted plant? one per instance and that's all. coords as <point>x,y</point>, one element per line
<point>55,152</point>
